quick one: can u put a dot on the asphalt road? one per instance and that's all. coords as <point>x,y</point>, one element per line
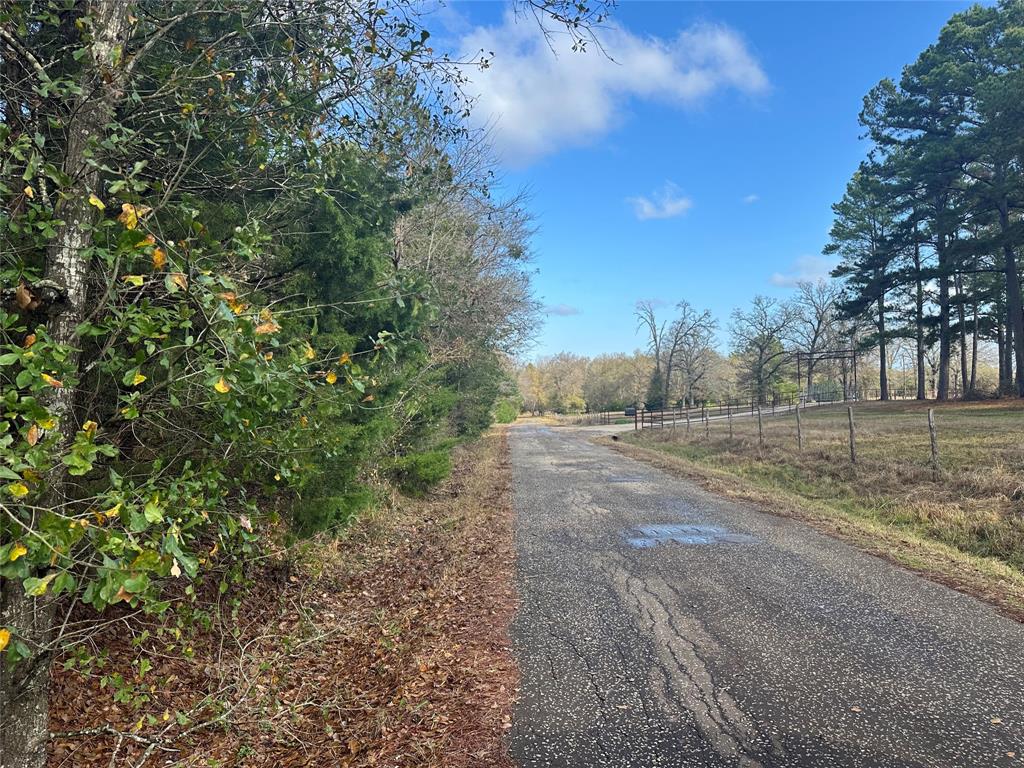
<point>663,626</point>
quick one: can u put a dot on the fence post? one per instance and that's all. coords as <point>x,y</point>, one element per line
<point>799,430</point>
<point>760,429</point>
<point>686,410</point>
<point>935,443</point>
<point>730,422</point>
<point>853,436</point>
<point>707,426</point>
<point>635,413</point>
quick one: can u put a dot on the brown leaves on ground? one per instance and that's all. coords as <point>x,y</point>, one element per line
<point>387,648</point>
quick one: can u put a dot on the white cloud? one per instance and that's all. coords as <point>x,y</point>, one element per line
<point>666,203</point>
<point>751,199</point>
<point>804,268</point>
<point>539,102</point>
<point>560,310</point>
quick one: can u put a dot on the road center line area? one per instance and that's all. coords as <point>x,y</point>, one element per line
<point>661,625</point>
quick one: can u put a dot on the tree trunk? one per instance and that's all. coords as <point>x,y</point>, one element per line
<point>883,360</point>
<point>944,345</point>
<point>24,692</point>
<point>961,316</point>
<point>1014,314</point>
<point>974,352</point>
<point>1008,357</point>
<point>1004,380</point>
<point>919,323</point>
<point>25,689</point>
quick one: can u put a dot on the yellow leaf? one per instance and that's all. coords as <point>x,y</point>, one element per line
<point>268,356</point>
<point>89,428</point>
<point>147,241</point>
<point>33,434</point>
<point>237,305</point>
<point>159,258</point>
<point>345,359</point>
<point>138,379</point>
<point>130,214</point>
<point>310,354</point>
<point>18,490</point>
<point>136,280</point>
<point>95,202</point>
<point>332,377</point>
<point>222,386</point>
<point>368,399</point>
<point>5,638</point>
<point>48,423</point>
<point>55,383</point>
<point>18,550</point>
<point>179,279</point>
<point>29,192</point>
<point>270,326</point>
<point>29,340</point>
<point>114,511</point>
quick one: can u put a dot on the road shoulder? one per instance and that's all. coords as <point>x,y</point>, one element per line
<point>387,646</point>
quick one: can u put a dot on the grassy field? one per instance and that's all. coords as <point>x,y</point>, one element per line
<point>974,505</point>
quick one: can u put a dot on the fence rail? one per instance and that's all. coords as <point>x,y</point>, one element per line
<point>774,402</point>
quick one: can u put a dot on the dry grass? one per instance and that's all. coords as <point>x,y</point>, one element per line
<point>973,507</point>
<point>389,647</point>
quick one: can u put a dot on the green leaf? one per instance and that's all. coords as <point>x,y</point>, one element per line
<point>37,587</point>
<point>152,512</point>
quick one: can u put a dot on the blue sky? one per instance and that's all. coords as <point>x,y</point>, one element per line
<point>700,163</point>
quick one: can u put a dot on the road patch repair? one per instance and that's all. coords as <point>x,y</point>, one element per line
<point>653,534</point>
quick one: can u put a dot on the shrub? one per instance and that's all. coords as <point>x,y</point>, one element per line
<point>417,473</point>
<point>321,513</point>
<point>506,411</point>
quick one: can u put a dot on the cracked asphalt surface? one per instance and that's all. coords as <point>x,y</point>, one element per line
<point>661,625</point>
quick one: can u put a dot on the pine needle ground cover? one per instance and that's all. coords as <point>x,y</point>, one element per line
<point>387,646</point>
<point>963,525</point>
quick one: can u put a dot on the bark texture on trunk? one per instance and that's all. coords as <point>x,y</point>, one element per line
<point>24,689</point>
<point>1014,314</point>
<point>974,351</point>
<point>883,361</point>
<point>962,320</point>
<point>24,692</point>
<point>944,345</point>
<point>919,323</point>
